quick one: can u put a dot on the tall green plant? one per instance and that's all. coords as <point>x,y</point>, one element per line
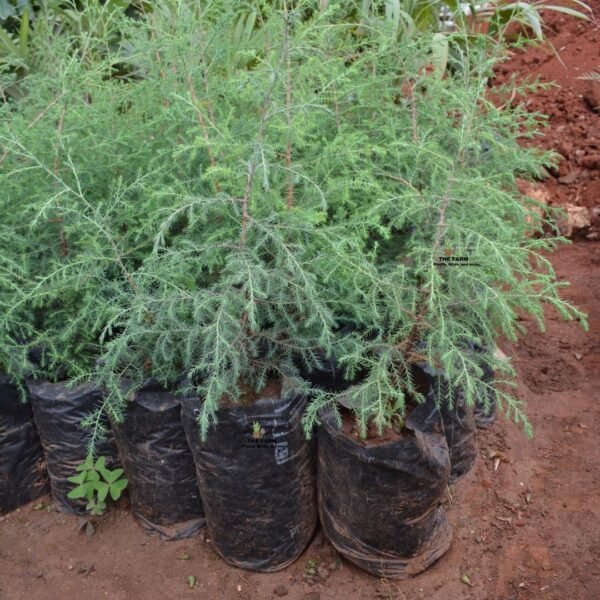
<point>229,299</point>
<point>340,172</point>
<point>86,157</point>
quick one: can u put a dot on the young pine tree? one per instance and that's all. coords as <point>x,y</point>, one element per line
<point>231,296</point>
<point>342,170</point>
<point>87,167</point>
<point>455,252</point>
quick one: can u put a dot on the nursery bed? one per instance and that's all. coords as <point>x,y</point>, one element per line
<point>526,519</point>
<point>527,529</point>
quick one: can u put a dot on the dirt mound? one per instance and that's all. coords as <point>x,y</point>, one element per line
<point>572,107</point>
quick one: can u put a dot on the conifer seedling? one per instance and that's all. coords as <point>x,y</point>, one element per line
<point>358,204</point>
<point>231,215</point>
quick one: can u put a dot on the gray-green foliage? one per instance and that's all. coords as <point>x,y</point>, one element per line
<point>231,294</point>
<point>591,76</point>
<point>406,19</point>
<point>240,206</point>
<point>28,29</point>
<point>338,169</point>
<point>86,158</point>
<point>428,173</point>
<point>13,281</point>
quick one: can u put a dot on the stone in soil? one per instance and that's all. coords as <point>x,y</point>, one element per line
<point>591,96</point>
<point>577,218</point>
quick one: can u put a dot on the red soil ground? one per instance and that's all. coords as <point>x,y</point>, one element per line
<point>526,519</point>
<point>573,107</point>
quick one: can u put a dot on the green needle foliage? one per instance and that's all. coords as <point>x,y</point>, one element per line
<point>339,172</point>
<point>230,296</point>
<point>216,211</point>
<point>86,155</point>
<point>454,253</point>
<point>13,331</point>
<point>451,240</point>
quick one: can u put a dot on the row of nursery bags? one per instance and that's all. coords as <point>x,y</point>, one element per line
<point>254,481</point>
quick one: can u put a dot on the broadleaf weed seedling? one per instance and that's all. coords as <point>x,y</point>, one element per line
<point>95,482</point>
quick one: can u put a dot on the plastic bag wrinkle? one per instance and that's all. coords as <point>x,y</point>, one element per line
<point>23,475</point>
<point>59,409</point>
<point>258,485</point>
<point>159,466</point>
<point>380,505</point>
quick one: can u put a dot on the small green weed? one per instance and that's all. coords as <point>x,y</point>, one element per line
<point>95,482</point>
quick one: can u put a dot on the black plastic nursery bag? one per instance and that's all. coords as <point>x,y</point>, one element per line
<point>486,405</point>
<point>257,477</point>
<point>459,427</point>
<point>159,466</point>
<point>330,377</point>
<point>23,475</point>
<point>380,505</point>
<point>59,410</point>
<point>458,419</point>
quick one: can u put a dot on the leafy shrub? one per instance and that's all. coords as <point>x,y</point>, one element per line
<point>340,171</point>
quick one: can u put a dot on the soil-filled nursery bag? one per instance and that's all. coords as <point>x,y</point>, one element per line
<point>486,406</point>
<point>59,410</point>
<point>159,466</point>
<point>23,475</point>
<point>459,425</point>
<point>458,419</point>
<point>380,504</point>
<point>330,377</point>
<point>257,477</point>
